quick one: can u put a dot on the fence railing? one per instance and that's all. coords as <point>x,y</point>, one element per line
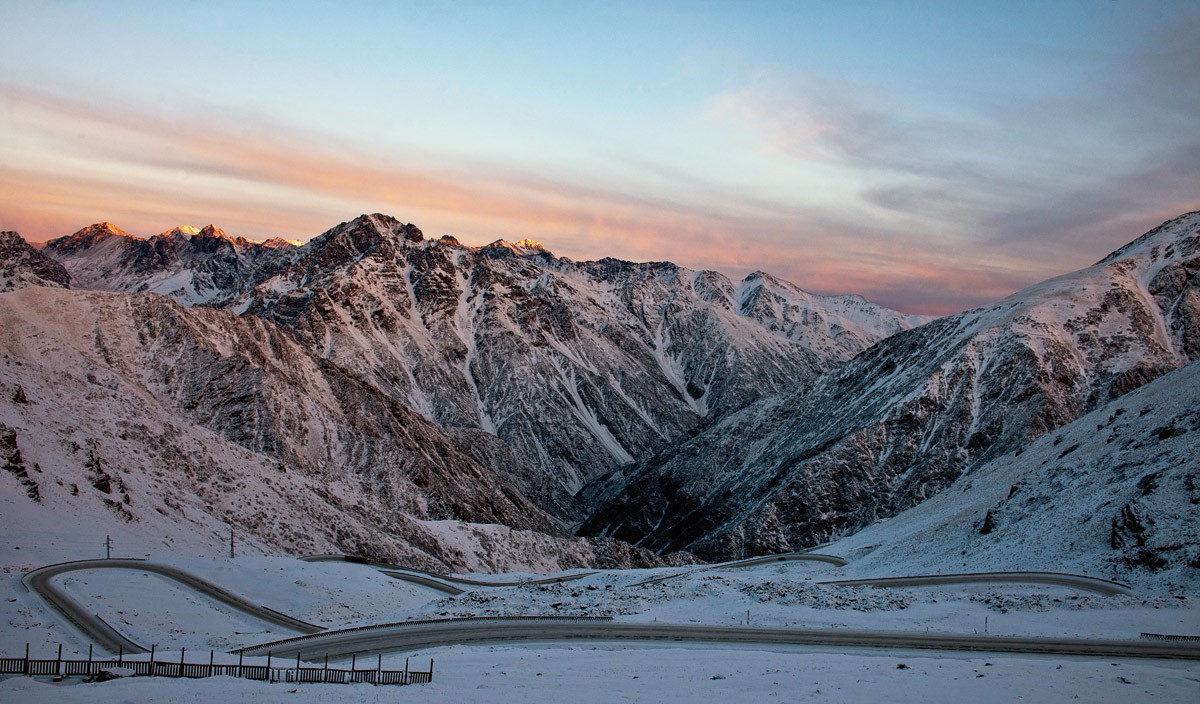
<point>1168,636</point>
<point>58,667</point>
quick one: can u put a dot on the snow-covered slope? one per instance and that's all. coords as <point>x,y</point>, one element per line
<point>904,419</point>
<point>1115,493</point>
<point>128,413</point>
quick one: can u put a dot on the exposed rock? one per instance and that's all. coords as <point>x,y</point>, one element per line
<point>21,265</point>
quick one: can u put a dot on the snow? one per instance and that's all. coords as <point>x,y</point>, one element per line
<point>1053,522</point>
<point>601,672</point>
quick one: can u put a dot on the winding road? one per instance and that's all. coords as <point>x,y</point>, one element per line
<point>96,629</point>
<point>425,634</point>
<point>422,634</point>
<point>749,562</point>
<point>1103,587</point>
<point>444,583</point>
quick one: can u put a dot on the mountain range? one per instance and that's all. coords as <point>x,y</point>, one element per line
<point>380,393</point>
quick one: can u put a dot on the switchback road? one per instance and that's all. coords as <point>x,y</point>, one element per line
<point>40,582</point>
<point>444,583</point>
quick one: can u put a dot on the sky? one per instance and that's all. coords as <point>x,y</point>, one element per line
<point>931,156</point>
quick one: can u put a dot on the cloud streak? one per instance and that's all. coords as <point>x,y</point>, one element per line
<point>76,162</point>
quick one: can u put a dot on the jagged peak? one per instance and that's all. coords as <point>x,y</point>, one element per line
<point>99,229</point>
<point>383,226</point>
<point>88,237</point>
<point>529,244</point>
<point>180,231</point>
<point>280,243</point>
<point>211,230</point>
<point>523,247</point>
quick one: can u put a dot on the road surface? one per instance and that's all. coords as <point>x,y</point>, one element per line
<point>444,582</point>
<point>415,635</point>
<point>40,582</point>
<point>1103,587</point>
<point>749,561</point>
<point>439,581</point>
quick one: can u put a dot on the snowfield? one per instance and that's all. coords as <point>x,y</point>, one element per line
<point>339,594</point>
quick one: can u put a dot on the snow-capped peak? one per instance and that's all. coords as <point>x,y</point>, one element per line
<point>181,230</point>
<point>529,244</point>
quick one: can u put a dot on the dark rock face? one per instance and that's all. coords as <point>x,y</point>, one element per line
<point>21,265</point>
<point>908,416</point>
<point>12,462</point>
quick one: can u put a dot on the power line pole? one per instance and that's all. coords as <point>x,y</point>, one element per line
<point>108,547</point>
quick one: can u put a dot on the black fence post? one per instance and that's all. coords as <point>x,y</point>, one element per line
<point>26,659</point>
<point>120,654</point>
<point>430,669</point>
<point>89,670</point>
<point>211,655</point>
<point>406,671</point>
<point>58,663</point>
<point>152,668</point>
<point>240,654</point>
<point>269,667</point>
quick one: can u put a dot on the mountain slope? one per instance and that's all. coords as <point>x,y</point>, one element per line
<point>1116,492</point>
<point>579,367</point>
<point>576,367</point>
<point>131,410</point>
<point>904,419</point>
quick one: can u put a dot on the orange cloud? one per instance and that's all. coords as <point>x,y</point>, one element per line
<point>72,164</point>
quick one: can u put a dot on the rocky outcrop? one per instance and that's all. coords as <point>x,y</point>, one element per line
<point>21,265</point>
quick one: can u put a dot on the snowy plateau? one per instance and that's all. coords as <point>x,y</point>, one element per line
<point>467,420</point>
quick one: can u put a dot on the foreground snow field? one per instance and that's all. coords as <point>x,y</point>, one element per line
<point>337,594</point>
<point>604,673</point>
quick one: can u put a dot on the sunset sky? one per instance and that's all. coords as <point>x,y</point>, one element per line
<point>931,156</point>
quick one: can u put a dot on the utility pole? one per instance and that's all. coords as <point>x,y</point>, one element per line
<point>108,547</point>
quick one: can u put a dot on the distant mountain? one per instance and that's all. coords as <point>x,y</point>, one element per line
<point>578,367</point>
<point>906,418</point>
<point>188,265</point>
